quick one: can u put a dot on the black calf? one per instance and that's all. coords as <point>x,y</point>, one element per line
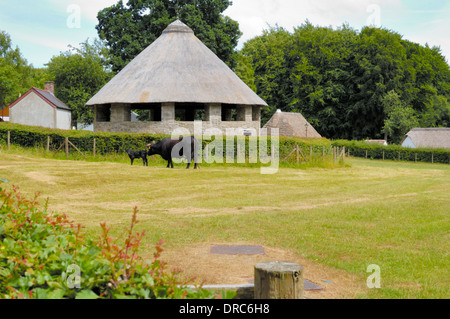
<point>138,154</point>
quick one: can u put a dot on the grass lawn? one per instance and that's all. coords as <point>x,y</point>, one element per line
<point>392,214</point>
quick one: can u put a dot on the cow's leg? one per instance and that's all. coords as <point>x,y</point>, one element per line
<point>132,160</point>
<point>170,163</point>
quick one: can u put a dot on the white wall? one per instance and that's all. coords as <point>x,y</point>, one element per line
<point>408,143</point>
<point>63,119</point>
<point>32,110</point>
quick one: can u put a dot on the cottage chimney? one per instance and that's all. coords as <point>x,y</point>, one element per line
<point>50,87</point>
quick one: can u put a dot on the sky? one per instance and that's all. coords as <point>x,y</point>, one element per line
<point>44,28</point>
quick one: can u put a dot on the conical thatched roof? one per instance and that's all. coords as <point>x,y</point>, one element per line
<point>291,125</point>
<point>177,67</point>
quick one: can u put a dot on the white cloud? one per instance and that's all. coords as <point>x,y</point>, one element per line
<point>254,15</point>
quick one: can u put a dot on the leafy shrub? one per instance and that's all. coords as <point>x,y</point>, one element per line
<point>40,254</point>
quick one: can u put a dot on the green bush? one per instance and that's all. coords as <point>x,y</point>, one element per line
<point>110,143</point>
<point>40,254</point>
<point>394,152</point>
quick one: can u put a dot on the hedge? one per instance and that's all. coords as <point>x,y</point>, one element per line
<point>394,152</point>
<point>107,143</point>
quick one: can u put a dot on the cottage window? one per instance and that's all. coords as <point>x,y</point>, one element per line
<point>103,113</point>
<point>229,112</point>
<point>189,112</point>
<point>148,112</point>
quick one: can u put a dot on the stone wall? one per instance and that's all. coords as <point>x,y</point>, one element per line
<point>206,128</point>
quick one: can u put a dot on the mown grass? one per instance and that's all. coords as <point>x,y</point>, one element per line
<point>393,214</point>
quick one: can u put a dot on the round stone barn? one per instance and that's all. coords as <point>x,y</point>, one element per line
<point>179,80</point>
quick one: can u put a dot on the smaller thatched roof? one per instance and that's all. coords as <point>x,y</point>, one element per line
<point>429,137</point>
<point>291,125</point>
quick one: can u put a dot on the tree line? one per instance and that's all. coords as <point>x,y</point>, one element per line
<point>349,84</point>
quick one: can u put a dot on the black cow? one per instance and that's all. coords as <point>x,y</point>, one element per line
<point>138,154</point>
<point>169,148</point>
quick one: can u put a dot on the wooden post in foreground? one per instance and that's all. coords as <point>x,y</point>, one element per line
<point>9,140</point>
<point>278,280</point>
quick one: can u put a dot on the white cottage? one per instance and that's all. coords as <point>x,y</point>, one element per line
<point>41,108</point>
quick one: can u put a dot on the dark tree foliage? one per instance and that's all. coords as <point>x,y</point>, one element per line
<point>129,29</point>
<point>342,80</point>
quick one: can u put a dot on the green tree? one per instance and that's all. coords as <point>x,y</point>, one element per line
<point>339,79</point>
<point>401,118</point>
<point>78,75</point>
<point>129,29</point>
<point>15,73</point>
<point>271,68</point>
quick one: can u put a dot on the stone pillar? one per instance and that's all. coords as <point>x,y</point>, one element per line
<point>214,114</point>
<point>244,113</point>
<point>168,112</point>
<point>256,117</point>
<point>120,112</point>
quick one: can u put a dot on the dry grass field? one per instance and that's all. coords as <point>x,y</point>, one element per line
<point>335,222</point>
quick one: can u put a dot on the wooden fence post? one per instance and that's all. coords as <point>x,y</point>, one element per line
<point>93,147</point>
<point>278,280</point>
<point>66,143</point>
<point>9,140</point>
<point>297,149</point>
<point>48,143</point>
<point>323,153</point>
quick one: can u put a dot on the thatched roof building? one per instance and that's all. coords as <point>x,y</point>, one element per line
<point>427,138</point>
<point>291,125</point>
<point>179,79</point>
